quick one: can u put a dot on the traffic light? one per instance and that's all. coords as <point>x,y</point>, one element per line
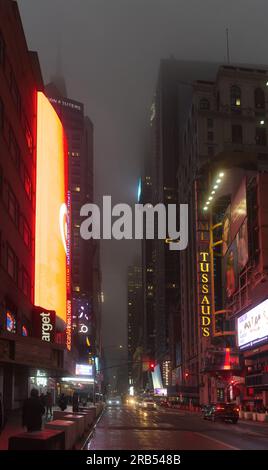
<point>151,366</point>
<point>186,375</point>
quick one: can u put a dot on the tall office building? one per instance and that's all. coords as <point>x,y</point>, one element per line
<point>135,326</point>
<point>172,95</point>
<point>85,299</point>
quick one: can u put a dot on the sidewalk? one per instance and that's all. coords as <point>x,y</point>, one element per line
<point>14,426</point>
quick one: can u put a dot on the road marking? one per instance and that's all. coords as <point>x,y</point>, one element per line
<point>216,440</point>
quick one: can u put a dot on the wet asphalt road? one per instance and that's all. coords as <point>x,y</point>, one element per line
<point>127,428</point>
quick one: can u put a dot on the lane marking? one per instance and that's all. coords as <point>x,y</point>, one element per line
<point>216,440</point>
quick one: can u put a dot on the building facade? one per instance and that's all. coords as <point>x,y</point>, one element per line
<point>223,153</point>
<point>135,326</point>
<point>27,351</point>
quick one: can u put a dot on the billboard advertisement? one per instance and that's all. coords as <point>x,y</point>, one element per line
<point>238,209</point>
<point>252,327</point>
<point>230,270</point>
<point>44,324</point>
<point>84,369</point>
<point>51,212</point>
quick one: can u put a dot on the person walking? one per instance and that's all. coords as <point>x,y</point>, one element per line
<point>32,412</point>
<point>49,404</point>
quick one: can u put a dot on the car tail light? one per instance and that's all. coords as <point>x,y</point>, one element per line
<point>236,409</point>
<point>218,408</point>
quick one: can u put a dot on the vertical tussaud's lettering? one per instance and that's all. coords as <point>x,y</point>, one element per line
<point>204,292</point>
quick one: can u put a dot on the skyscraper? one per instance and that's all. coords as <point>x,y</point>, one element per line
<point>84,254</point>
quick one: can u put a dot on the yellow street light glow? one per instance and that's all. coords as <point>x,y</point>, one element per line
<point>213,192</point>
<point>216,186</point>
<point>210,198</point>
<point>218,180</point>
<point>221,175</point>
<point>262,122</point>
<point>208,202</point>
<point>205,208</point>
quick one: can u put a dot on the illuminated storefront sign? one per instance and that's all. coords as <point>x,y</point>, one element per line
<point>44,324</point>
<point>51,212</point>
<point>252,327</point>
<point>84,369</point>
<point>204,292</point>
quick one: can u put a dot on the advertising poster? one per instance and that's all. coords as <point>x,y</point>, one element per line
<point>226,231</point>
<point>252,326</point>
<point>242,245</point>
<point>230,268</point>
<point>238,209</point>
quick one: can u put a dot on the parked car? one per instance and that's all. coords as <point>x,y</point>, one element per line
<point>221,412</point>
<point>114,401</point>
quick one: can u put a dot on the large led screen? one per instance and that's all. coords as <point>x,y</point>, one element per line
<point>252,327</point>
<point>51,211</point>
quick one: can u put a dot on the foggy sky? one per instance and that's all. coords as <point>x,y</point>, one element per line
<point>110,53</point>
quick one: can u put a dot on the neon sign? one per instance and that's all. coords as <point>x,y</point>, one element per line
<point>204,292</point>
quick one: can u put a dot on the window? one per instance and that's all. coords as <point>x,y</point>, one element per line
<point>210,135</point>
<point>1,181</point>
<point>261,138</point>
<point>27,183</point>
<point>204,104</point>
<point>26,232</point>
<point>12,206</point>
<point>12,264</point>
<point>210,123</point>
<point>11,322</point>
<point>14,148</point>
<point>2,115</point>
<point>15,92</point>
<point>259,98</point>
<point>237,134</point>
<point>2,50</point>
<point>26,283</point>
<point>210,151</point>
<point>235,98</point>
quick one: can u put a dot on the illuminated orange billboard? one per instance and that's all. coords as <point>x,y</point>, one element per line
<point>51,211</point>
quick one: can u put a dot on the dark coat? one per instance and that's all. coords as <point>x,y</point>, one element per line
<point>32,413</point>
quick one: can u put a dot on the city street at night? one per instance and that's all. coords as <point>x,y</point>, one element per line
<point>129,428</point>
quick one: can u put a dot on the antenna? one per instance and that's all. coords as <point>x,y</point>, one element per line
<point>227,46</point>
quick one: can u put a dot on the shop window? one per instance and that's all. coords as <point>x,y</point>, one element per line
<point>11,322</point>
<point>259,98</point>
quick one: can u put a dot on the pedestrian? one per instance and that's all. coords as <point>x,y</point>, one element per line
<point>43,399</point>
<point>75,402</point>
<point>62,402</point>
<point>32,412</point>
<point>49,403</point>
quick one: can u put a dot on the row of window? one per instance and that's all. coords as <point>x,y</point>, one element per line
<point>14,150</point>
<point>237,135</point>
<point>14,91</point>
<point>10,263</point>
<point>236,99</point>
<point>12,206</point>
